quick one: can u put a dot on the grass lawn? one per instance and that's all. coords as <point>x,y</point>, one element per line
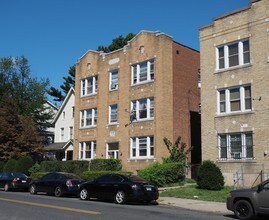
<point>192,192</point>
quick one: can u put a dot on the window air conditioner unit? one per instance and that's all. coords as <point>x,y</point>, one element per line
<point>236,155</point>
<point>114,86</point>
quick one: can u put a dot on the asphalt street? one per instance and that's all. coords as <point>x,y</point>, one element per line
<point>22,206</point>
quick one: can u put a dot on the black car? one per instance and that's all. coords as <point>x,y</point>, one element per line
<point>56,183</point>
<point>14,180</point>
<point>119,188</point>
<point>247,203</point>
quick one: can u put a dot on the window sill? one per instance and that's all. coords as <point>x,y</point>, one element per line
<point>142,83</point>
<point>144,120</point>
<point>242,160</point>
<point>232,68</point>
<point>234,114</point>
<point>88,95</point>
<point>142,159</point>
<point>113,124</point>
<point>89,127</point>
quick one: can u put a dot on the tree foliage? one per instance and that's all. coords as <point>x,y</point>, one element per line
<point>177,150</point>
<point>117,43</point>
<point>19,135</point>
<point>23,117</point>
<point>69,82</point>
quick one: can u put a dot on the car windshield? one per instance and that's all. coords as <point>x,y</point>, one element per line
<point>137,179</point>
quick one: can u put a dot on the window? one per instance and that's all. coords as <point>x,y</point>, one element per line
<point>143,108</point>
<point>63,115</point>
<point>62,134</point>
<point>71,132</point>
<point>112,151</point>
<point>88,117</point>
<point>233,54</point>
<point>142,147</point>
<point>235,146</point>
<point>237,99</point>
<point>113,114</point>
<point>73,111</point>
<point>143,72</point>
<point>113,80</point>
<point>87,150</point>
<point>89,86</point>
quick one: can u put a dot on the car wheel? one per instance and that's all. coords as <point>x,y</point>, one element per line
<point>120,197</point>
<point>33,189</point>
<point>58,191</point>
<point>243,210</point>
<point>6,188</point>
<point>84,194</point>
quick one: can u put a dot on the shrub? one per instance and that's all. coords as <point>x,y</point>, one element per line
<point>37,175</point>
<point>2,165</point>
<point>162,174</point>
<point>209,176</point>
<point>50,166</point>
<point>75,166</point>
<point>24,164</point>
<point>91,175</point>
<point>35,168</point>
<point>10,165</point>
<point>105,164</point>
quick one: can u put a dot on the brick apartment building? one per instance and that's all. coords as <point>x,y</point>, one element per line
<point>152,80</point>
<point>234,92</point>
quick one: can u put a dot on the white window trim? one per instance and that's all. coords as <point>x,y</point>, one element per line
<point>148,109</point>
<point>82,148</point>
<point>226,55</point>
<point>228,103</point>
<point>110,80</point>
<point>138,73</point>
<point>94,89</point>
<point>62,133</point>
<point>83,113</point>
<point>115,152</point>
<point>109,116</point>
<point>148,156</point>
<point>228,144</point>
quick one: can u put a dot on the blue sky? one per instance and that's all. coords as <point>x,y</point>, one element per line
<point>54,34</point>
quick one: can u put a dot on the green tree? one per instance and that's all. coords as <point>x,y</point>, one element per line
<point>117,43</point>
<point>177,150</point>
<point>10,165</point>
<point>69,82</point>
<point>19,135</point>
<point>24,164</point>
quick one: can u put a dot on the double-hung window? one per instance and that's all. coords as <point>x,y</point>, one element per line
<point>88,117</point>
<point>236,99</point>
<point>233,54</point>
<point>89,86</point>
<point>235,146</point>
<point>143,72</point>
<point>113,80</point>
<point>113,114</point>
<point>87,150</point>
<point>113,150</point>
<point>143,109</point>
<point>142,147</point>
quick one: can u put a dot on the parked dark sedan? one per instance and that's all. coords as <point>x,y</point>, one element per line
<point>56,183</point>
<point>14,180</point>
<point>119,188</point>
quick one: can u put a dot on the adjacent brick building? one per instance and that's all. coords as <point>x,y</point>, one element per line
<point>154,81</point>
<point>235,113</point>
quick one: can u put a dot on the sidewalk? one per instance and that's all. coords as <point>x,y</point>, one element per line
<point>196,205</point>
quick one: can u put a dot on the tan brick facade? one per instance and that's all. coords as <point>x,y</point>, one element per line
<point>174,90</point>
<point>250,24</point>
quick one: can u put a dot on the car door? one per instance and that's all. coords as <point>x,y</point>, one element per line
<point>44,184</point>
<point>263,199</point>
<point>100,186</point>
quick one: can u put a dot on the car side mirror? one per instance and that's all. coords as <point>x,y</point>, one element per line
<point>260,187</point>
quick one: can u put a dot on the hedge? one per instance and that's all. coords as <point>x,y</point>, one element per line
<point>162,174</point>
<point>10,165</point>
<point>91,175</point>
<point>37,175</point>
<point>2,165</point>
<point>105,164</point>
<point>74,166</point>
<point>24,164</point>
